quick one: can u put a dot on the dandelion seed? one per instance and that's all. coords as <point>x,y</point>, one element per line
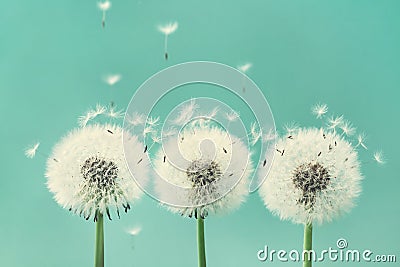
<point>112,79</point>
<point>115,114</point>
<point>212,113</point>
<point>347,128</point>
<point>245,67</point>
<point>334,122</point>
<point>30,152</point>
<point>291,127</point>
<point>136,119</point>
<point>232,116</point>
<point>319,110</point>
<point>269,136</point>
<point>104,6</point>
<point>135,231</point>
<point>167,30</point>
<point>255,134</point>
<point>379,157</point>
<point>186,112</point>
<point>361,141</point>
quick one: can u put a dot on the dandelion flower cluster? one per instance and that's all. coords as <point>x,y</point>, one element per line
<point>90,173</point>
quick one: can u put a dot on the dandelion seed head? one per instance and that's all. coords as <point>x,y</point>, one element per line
<point>91,174</point>
<point>314,177</point>
<point>216,177</point>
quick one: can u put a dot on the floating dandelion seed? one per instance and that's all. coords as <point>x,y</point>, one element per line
<point>167,30</point>
<point>319,110</point>
<point>112,79</point>
<point>30,152</point>
<point>212,113</point>
<point>232,116</point>
<point>379,157</point>
<point>104,6</point>
<point>245,67</point>
<point>135,231</point>
<point>361,140</point>
<point>153,121</point>
<point>255,134</point>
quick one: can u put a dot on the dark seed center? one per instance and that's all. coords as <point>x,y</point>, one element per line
<point>311,178</point>
<point>99,172</point>
<point>202,172</point>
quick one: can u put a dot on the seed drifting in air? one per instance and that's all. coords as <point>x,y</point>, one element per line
<point>167,29</point>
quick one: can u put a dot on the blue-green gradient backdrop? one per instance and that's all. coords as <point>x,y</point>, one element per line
<point>54,53</point>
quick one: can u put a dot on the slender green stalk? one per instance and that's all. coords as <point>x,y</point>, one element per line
<point>201,243</point>
<point>307,245</point>
<point>99,246</point>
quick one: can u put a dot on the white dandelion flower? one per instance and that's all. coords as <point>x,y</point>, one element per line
<point>104,6</point>
<point>167,30</point>
<point>30,152</point>
<point>347,128</point>
<point>379,157</point>
<point>245,67</point>
<point>319,110</point>
<point>314,177</point>
<point>232,116</point>
<point>134,231</point>
<point>206,174</point>
<point>90,177</point>
<point>112,79</point>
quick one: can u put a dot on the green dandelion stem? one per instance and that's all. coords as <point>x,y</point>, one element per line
<point>201,243</point>
<point>99,246</point>
<point>307,245</point>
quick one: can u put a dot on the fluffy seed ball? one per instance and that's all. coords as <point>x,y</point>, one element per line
<point>87,172</point>
<point>315,177</point>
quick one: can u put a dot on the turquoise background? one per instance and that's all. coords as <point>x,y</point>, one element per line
<point>54,53</point>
